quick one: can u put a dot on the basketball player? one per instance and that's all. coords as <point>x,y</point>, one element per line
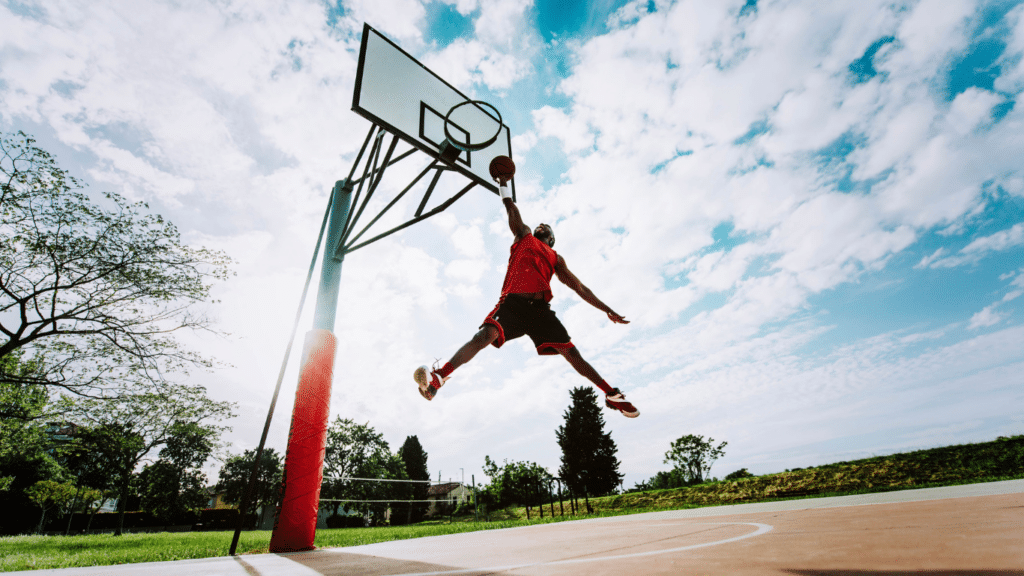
<point>523,309</point>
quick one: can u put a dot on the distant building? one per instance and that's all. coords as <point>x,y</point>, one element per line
<point>216,500</point>
<point>448,494</point>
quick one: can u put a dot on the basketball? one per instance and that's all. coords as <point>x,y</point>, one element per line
<point>502,167</point>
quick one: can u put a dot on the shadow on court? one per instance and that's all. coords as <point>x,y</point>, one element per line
<point>345,564</point>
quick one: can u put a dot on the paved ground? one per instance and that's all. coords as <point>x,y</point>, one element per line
<point>975,530</point>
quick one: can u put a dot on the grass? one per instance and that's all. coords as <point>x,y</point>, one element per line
<point>1002,459</point>
<point>39,552</point>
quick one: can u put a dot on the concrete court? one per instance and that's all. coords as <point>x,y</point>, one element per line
<point>974,530</point>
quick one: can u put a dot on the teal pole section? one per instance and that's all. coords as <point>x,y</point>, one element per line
<point>330,271</point>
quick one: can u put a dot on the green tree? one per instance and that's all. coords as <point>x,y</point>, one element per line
<point>93,293</point>
<point>175,484</point>
<point>48,494</point>
<point>234,479</point>
<point>414,458</point>
<point>27,452</point>
<point>517,483</point>
<point>358,451</point>
<point>693,456</point>
<point>589,465</point>
<point>139,423</point>
<point>20,399</point>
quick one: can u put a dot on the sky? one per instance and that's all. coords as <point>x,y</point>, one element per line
<point>811,212</point>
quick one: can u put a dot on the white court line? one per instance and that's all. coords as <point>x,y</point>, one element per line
<point>761,529</point>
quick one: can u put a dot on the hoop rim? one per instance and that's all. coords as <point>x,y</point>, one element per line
<point>472,147</point>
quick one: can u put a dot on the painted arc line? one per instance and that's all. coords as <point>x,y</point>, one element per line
<point>761,529</point>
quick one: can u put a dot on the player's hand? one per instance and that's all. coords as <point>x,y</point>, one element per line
<point>617,318</point>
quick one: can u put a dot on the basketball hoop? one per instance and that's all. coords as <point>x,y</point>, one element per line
<point>467,146</point>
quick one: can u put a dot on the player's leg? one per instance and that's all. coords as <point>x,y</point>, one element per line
<point>429,381</point>
<point>614,398</point>
<point>551,337</point>
<point>482,339</point>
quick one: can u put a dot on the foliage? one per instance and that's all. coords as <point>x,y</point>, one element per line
<point>27,452</point>
<point>693,456</point>
<point>136,424</point>
<point>358,451</point>
<point>415,459</point>
<point>589,465</point>
<point>674,478</point>
<point>516,483</point>
<point>92,291</point>
<point>739,475</point>
<point>175,484</point>
<point>234,478</point>
<point>20,399</point>
<point>49,494</point>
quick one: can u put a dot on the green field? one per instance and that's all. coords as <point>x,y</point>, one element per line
<point>38,552</point>
<point>1002,459</point>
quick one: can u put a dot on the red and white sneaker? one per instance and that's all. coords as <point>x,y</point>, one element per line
<point>429,381</point>
<point>617,401</point>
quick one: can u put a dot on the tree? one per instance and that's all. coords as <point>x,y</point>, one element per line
<point>138,423</point>
<point>93,291</point>
<point>20,399</point>
<point>358,451</point>
<point>48,494</point>
<point>589,465</point>
<point>175,485</point>
<point>234,479</point>
<point>522,483</point>
<point>693,456</point>
<point>414,458</point>
<point>27,452</point>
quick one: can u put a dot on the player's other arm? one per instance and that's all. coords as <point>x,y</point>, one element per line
<point>570,280</point>
<point>515,220</point>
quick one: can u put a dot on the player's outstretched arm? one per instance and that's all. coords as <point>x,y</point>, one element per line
<point>515,220</point>
<point>570,280</point>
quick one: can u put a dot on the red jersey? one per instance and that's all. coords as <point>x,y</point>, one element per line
<point>530,268</point>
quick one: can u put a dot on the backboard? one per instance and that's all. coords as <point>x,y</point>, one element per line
<point>396,91</point>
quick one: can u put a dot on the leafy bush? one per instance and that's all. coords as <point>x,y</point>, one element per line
<point>740,475</point>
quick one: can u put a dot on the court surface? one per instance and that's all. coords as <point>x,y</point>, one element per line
<point>974,530</point>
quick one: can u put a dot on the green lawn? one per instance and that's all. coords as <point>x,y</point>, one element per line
<point>38,552</point>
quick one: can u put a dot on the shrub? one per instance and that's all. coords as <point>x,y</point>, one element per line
<point>740,475</point>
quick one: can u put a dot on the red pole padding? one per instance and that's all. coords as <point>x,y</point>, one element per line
<point>295,528</point>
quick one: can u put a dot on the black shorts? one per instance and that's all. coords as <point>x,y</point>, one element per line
<point>517,315</point>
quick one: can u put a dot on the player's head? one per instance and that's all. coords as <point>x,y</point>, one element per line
<point>544,233</point>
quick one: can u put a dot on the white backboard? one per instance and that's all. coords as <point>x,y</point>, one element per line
<point>395,91</point>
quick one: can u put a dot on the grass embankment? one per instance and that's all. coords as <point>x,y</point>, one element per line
<point>1002,459</point>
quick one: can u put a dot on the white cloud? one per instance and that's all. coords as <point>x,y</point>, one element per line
<point>1001,240</point>
<point>464,7</point>
<point>987,317</point>
<point>978,248</point>
<point>554,123</point>
<point>971,108</point>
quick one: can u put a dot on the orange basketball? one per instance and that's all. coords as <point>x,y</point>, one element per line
<point>502,167</point>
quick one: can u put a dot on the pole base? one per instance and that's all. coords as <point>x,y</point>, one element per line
<point>295,528</point>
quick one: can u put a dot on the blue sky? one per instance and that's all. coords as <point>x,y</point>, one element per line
<point>813,213</point>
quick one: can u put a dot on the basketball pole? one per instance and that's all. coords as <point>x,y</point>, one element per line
<point>295,528</point>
